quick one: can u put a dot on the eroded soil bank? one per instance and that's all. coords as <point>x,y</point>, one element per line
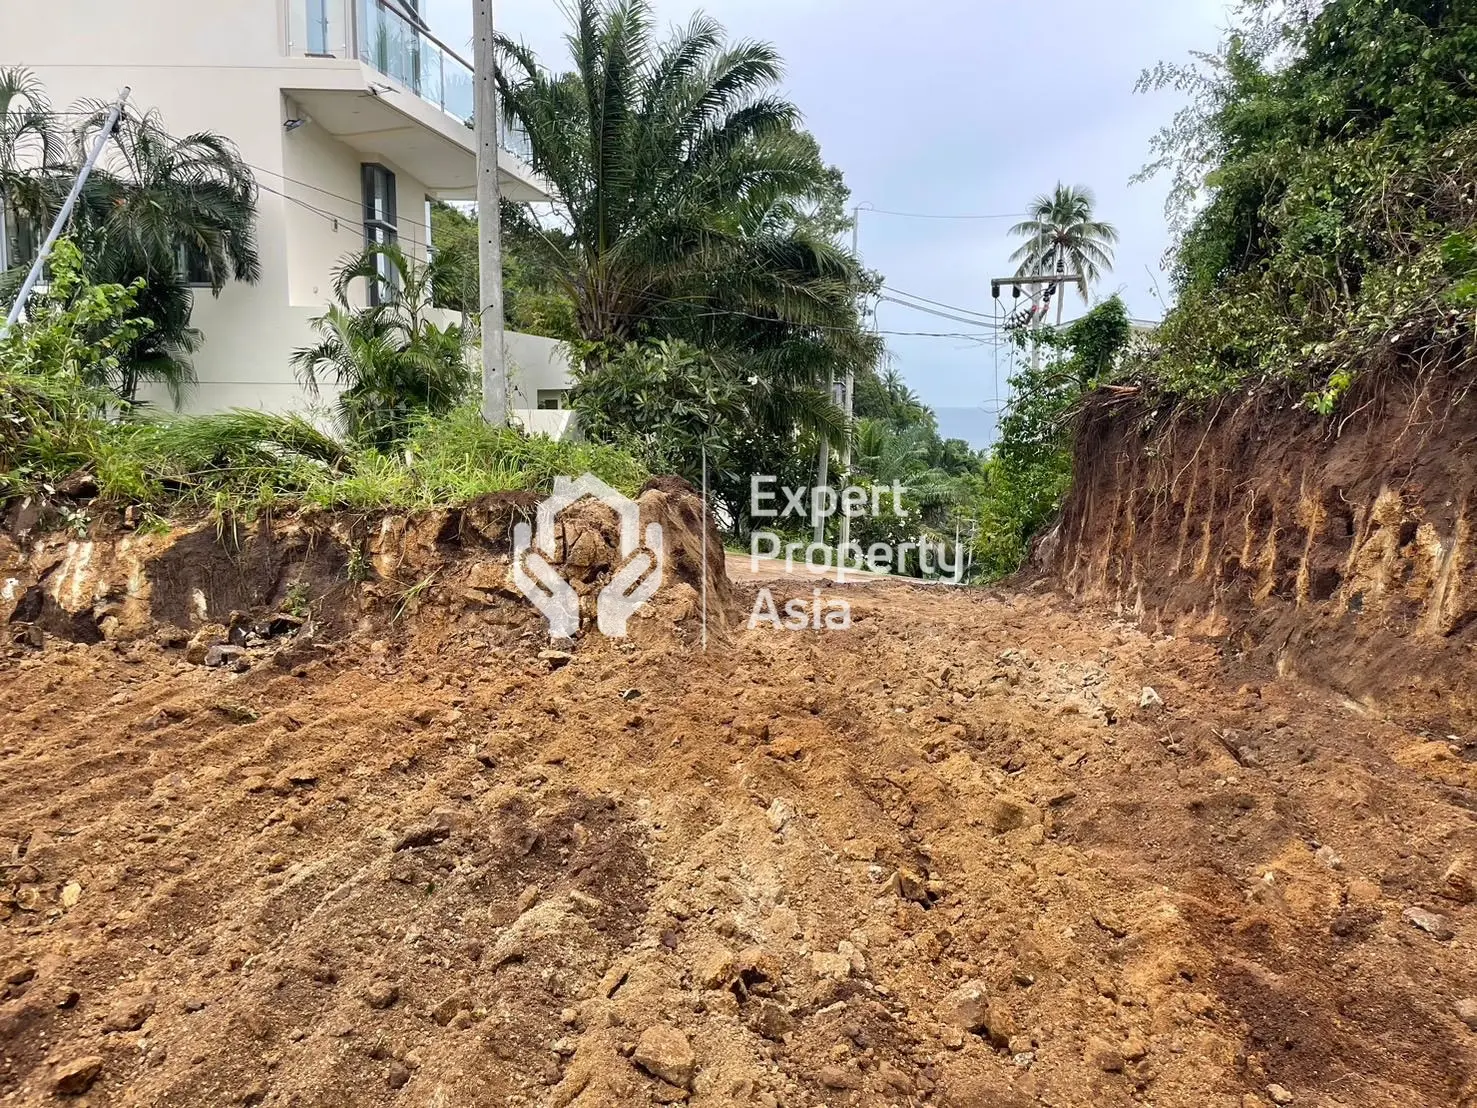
<point>401,854</point>
<point>1338,549</point>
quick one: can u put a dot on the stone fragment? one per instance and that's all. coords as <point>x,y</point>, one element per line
<point>1466,1011</point>
<point>830,967</point>
<point>129,1014</point>
<point>222,655</point>
<point>779,814</point>
<point>1456,882</point>
<point>839,1077</point>
<point>718,971</point>
<point>421,834</point>
<point>1432,923</point>
<point>970,1009</point>
<point>664,1052</point>
<point>381,994</point>
<point>76,1077</point>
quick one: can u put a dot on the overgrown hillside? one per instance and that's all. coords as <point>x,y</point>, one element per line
<point>1335,147</point>
<point>1287,464</point>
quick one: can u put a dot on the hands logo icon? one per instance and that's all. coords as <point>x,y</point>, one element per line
<point>634,582</point>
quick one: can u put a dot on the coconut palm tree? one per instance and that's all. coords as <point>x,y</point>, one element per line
<point>1063,237</point>
<point>390,362</point>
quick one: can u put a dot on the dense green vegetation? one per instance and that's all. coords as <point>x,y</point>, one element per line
<point>694,243</point>
<point>63,434</point>
<point>1030,467</point>
<point>391,363</point>
<point>1335,146</point>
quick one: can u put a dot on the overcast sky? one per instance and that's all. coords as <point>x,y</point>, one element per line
<point>956,107</point>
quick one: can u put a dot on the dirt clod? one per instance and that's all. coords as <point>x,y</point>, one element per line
<point>664,1052</point>
<point>77,1076</point>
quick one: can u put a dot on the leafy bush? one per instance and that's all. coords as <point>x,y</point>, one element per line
<point>59,434</point>
<point>1030,469</point>
<point>391,362</point>
<point>54,364</point>
<point>1337,143</point>
<point>666,400</point>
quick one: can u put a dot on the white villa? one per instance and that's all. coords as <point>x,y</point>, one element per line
<point>352,115</point>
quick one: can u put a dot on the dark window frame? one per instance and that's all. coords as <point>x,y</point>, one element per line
<point>381,222</point>
<point>189,273</point>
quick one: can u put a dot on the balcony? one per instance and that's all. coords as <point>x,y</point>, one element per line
<point>387,39</point>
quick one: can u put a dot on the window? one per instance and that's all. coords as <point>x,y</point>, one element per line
<point>18,240</point>
<point>318,27</point>
<point>380,227</point>
<point>194,266</point>
<point>550,400</point>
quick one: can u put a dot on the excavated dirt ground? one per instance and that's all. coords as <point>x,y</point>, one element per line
<point>430,868</point>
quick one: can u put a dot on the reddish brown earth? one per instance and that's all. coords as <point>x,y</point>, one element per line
<point>1340,549</point>
<point>943,858</point>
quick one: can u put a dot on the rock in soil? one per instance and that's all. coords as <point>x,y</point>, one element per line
<point>381,994</point>
<point>1466,1011</point>
<point>664,1052</point>
<point>1432,923</point>
<point>76,1077</point>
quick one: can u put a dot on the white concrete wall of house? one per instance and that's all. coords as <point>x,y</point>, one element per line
<point>534,363</point>
<point>560,424</point>
<point>225,66</point>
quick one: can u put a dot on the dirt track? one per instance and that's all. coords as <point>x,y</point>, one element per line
<point>433,869</point>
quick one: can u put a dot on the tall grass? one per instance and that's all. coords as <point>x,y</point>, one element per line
<point>245,461</point>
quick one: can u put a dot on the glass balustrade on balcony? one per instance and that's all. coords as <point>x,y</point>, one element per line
<point>386,36</point>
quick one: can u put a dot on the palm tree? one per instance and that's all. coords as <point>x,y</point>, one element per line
<point>390,361</point>
<point>1062,237</point>
<point>31,151</point>
<point>156,207</point>
<point>671,165</point>
<point>176,212</point>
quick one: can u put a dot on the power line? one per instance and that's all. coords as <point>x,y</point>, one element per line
<point>935,303</point>
<point>943,315</point>
<point>338,219</point>
<point>712,312</point>
<point>933,215</point>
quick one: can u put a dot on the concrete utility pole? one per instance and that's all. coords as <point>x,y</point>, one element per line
<point>823,465</point>
<point>845,536</point>
<point>66,213</point>
<point>489,229</point>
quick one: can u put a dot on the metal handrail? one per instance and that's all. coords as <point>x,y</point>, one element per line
<point>424,58</point>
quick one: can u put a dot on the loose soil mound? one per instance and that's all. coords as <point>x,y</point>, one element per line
<point>942,858</point>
